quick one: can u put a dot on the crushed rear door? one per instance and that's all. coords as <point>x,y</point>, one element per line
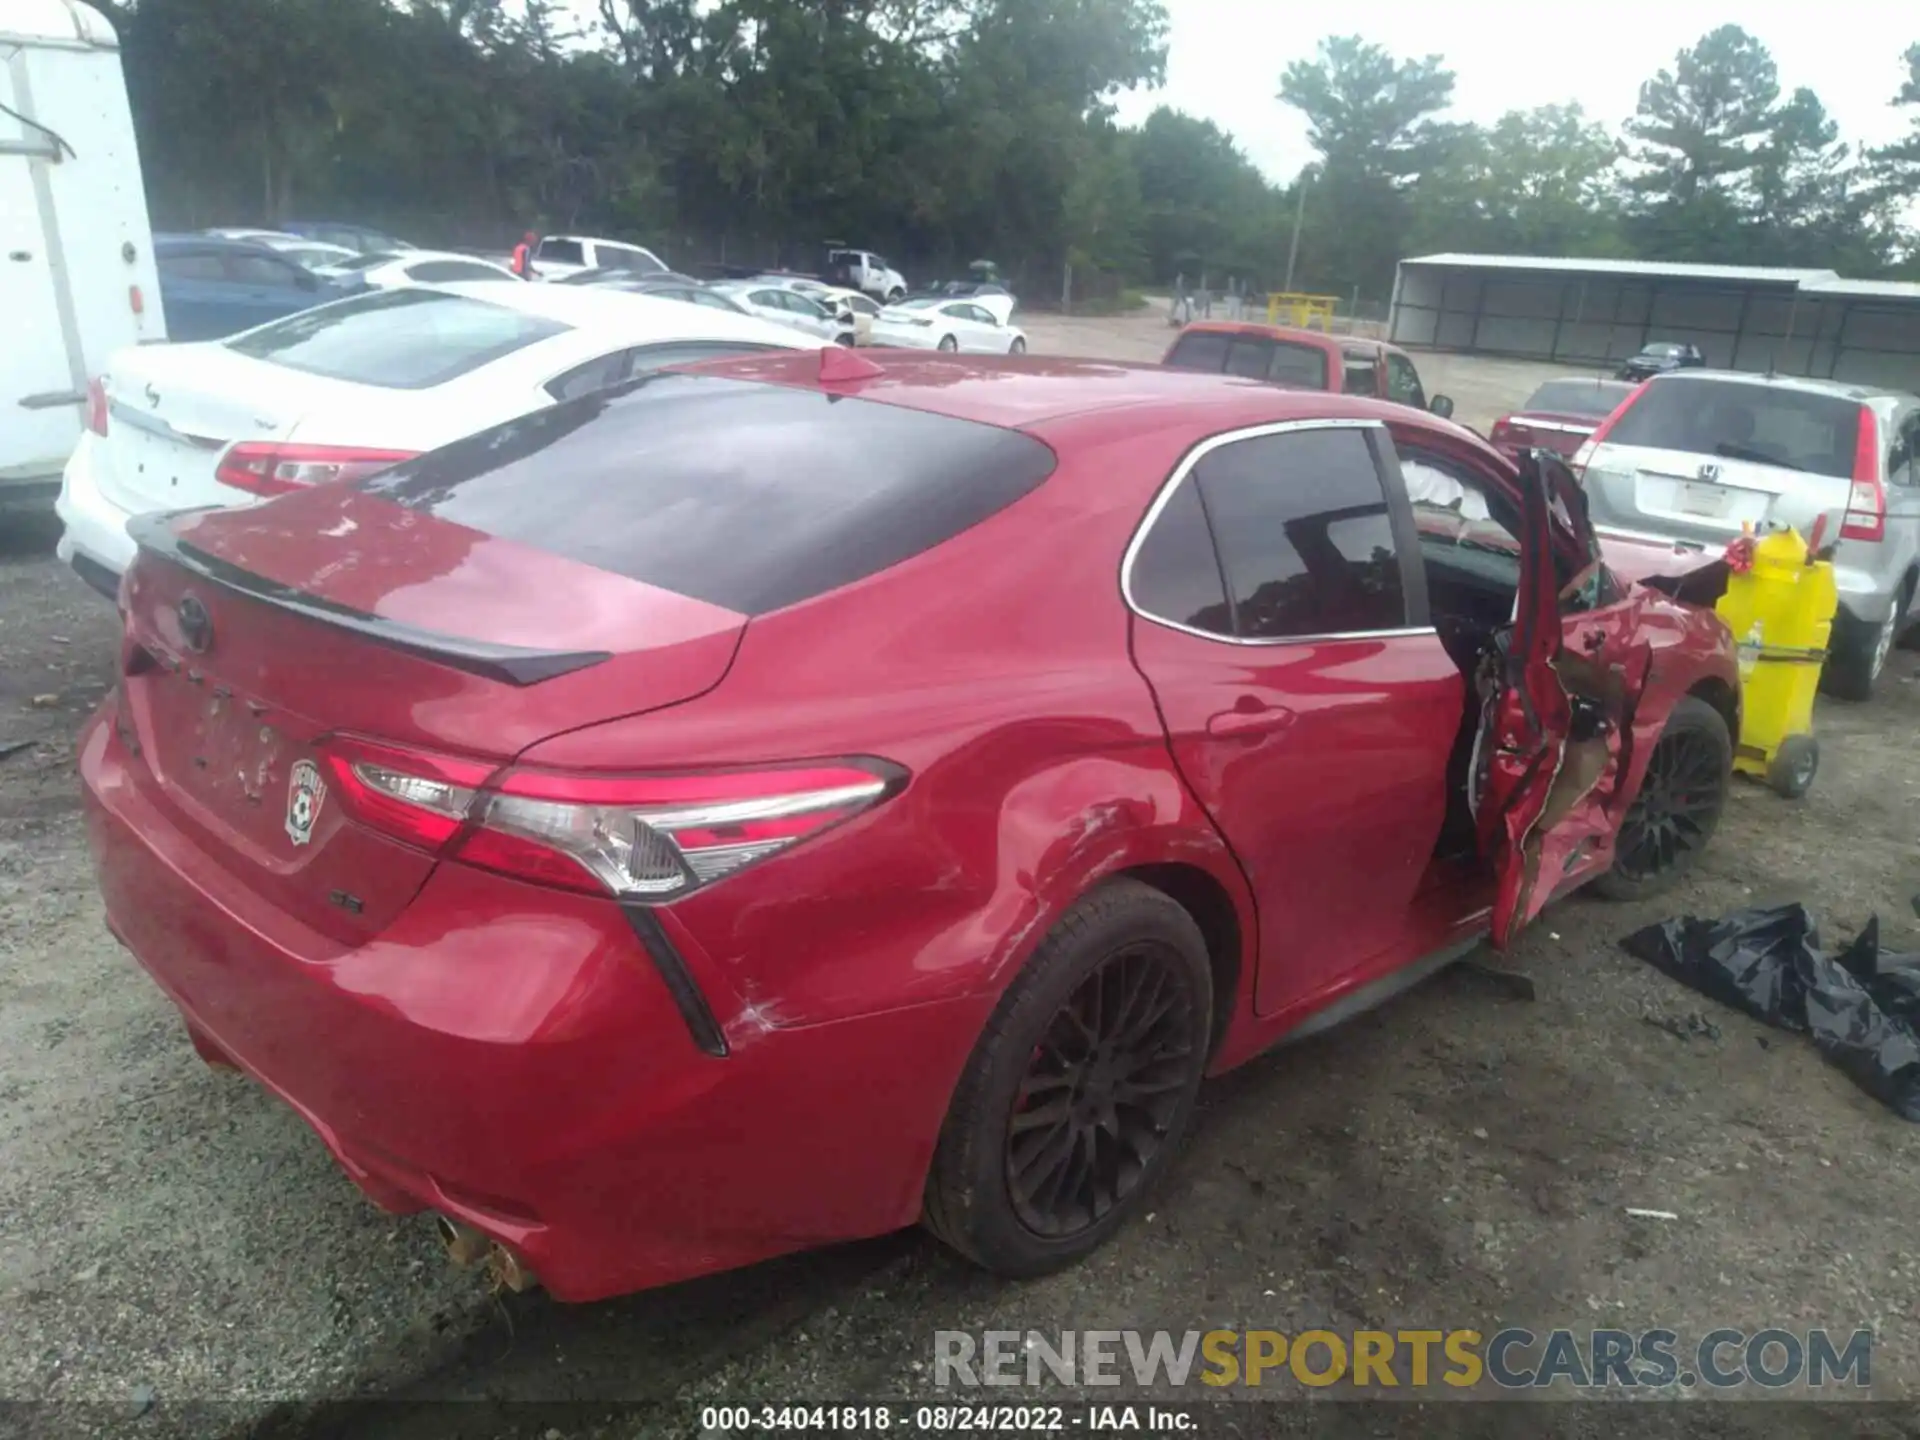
<point>1556,736</point>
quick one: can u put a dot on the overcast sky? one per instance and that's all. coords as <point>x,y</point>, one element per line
<point>1225,58</point>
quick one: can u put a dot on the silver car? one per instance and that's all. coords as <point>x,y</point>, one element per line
<point>1697,455</point>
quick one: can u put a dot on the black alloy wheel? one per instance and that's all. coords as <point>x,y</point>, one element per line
<point>1101,1091</point>
<point>1678,808</point>
<point>1080,1086</point>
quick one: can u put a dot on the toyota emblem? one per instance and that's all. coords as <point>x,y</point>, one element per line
<point>196,625</point>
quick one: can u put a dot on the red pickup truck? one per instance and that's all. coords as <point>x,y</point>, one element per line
<point>1303,360</point>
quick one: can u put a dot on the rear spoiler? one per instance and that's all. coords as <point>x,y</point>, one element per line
<point>508,664</point>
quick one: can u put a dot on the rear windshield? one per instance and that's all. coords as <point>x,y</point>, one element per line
<point>1772,424</point>
<point>1578,397</point>
<point>748,496</point>
<point>1255,356</point>
<point>400,339</point>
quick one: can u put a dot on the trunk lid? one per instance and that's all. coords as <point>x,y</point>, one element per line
<point>255,634</point>
<point>173,409</point>
<point>1709,497</point>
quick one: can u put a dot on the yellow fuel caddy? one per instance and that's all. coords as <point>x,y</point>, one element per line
<point>1780,610</point>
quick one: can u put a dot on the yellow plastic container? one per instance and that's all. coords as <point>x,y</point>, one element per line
<point>1781,614</point>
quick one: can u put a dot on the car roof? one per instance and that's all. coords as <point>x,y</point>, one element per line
<point>413,257</point>
<point>171,240</point>
<point>1018,392</point>
<point>1807,384</point>
<point>593,307</point>
<point>1268,332</point>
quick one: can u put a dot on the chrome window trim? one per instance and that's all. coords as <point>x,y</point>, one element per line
<point>1173,482</point>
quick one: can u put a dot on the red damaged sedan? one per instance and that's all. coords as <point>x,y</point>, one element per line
<point>777,803</point>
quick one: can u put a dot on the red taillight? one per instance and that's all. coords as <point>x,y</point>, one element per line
<point>1866,517</point>
<point>1502,431</point>
<point>271,467</point>
<point>636,837</point>
<point>97,405</point>
<point>411,795</point>
<point>1584,454</point>
<point>136,301</point>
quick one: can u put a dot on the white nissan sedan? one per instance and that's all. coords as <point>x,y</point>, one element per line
<point>342,390</point>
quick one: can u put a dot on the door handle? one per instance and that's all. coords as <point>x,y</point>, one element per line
<point>1231,724</point>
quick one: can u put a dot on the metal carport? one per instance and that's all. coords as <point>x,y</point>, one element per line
<point>1598,312</point>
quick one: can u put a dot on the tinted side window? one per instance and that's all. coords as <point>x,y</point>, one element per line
<point>1200,350</point>
<point>440,272</point>
<point>1176,574</point>
<point>193,265</point>
<point>1362,378</point>
<point>561,252</point>
<point>1304,534</point>
<point>260,270</point>
<point>1403,382</point>
<point>1903,462</point>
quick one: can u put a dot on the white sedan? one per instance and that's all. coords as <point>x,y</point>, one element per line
<point>932,323</point>
<point>421,267</point>
<point>343,390</point>
<point>779,302</point>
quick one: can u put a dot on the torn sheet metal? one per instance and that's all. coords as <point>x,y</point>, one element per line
<point>1859,1005</point>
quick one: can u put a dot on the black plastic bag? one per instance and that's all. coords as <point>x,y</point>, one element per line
<point>1859,1006</point>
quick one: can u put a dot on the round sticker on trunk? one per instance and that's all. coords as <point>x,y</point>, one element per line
<point>305,792</point>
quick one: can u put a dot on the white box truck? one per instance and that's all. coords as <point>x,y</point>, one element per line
<point>77,275</point>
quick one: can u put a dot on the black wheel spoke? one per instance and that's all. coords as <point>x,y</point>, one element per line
<point>1679,800</point>
<point>1103,1090</point>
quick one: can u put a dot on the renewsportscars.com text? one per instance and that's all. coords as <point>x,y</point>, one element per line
<point>1376,1360</point>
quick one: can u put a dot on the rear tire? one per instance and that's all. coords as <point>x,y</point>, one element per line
<point>1859,651</point>
<point>949,344</point>
<point>895,296</point>
<point>1018,347</point>
<point>1080,1087</point>
<point>1678,808</point>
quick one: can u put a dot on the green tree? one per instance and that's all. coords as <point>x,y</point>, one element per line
<point>1700,131</point>
<point>1371,117</point>
<point>1205,204</point>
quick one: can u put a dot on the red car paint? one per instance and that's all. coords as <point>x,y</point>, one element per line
<point>1346,364</point>
<point>1560,416</point>
<point>520,1056</point>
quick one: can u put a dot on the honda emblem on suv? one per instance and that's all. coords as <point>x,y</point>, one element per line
<point>196,625</point>
<point>1709,471</point>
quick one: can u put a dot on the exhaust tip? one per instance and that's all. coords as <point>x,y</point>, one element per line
<point>465,1245</point>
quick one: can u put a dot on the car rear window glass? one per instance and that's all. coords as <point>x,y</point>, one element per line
<point>748,496</point>
<point>1577,397</point>
<point>1200,350</point>
<point>1737,420</point>
<point>562,252</point>
<point>1304,534</point>
<point>1301,365</point>
<point>400,339</point>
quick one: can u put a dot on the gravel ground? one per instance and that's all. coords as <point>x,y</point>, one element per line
<point>169,1237</point>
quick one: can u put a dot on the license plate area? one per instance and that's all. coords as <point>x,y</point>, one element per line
<point>1702,501</point>
<point>219,753</point>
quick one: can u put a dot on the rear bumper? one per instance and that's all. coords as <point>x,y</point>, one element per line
<point>93,536</point>
<point>508,1055</point>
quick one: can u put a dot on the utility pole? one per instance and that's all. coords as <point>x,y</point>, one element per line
<point>1299,214</point>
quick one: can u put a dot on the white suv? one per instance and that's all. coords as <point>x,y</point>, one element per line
<point>562,255</point>
<point>1697,454</point>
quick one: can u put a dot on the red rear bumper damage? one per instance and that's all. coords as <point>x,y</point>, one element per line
<point>508,1055</point>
